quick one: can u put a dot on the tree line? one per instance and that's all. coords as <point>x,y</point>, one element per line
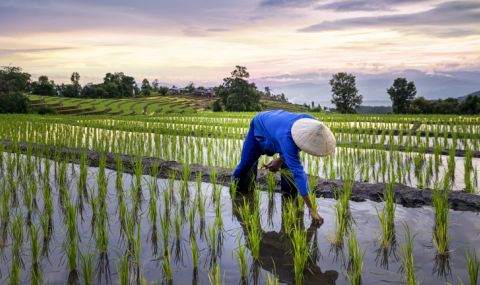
<point>402,93</point>
<point>236,93</point>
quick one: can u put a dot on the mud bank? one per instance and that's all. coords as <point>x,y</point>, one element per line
<point>405,195</point>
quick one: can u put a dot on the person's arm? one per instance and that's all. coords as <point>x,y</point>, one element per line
<point>290,155</point>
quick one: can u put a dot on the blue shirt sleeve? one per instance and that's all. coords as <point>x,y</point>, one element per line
<point>291,156</point>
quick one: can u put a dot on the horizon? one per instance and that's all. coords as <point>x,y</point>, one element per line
<point>283,43</point>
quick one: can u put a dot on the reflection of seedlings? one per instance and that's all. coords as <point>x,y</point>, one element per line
<point>272,279</point>
<point>301,249</point>
<point>440,232</point>
<point>355,264</point>
<point>408,264</point>
<point>86,263</point>
<point>36,273</point>
<point>214,275</point>
<point>387,216</point>
<point>473,266</point>
<point>241,257</point>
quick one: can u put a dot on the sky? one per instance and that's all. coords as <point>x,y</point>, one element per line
<point>283,43</point>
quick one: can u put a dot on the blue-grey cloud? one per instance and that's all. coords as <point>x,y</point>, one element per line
<point>23,16</point>
<point>365,5</point>
<point>287,3</point>
<point>462,17</point>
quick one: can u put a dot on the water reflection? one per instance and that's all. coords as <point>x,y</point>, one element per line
<point>276,250</point>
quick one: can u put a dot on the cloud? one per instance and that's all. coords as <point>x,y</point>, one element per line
<point>460,17</point>
<point>365,5</point>
<point>286,3</point>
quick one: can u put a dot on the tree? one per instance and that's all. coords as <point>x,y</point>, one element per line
<point>44,86</point>
<point>237,93</point>
<point>402,93</point>
<point>344,93</point>
<point>12,79</point>
<point>217,106</point>
<point>119,85</point>
<point>190,88</point>
<point>14,102</point>
<point>146,88</point>
<point>155,84</point>
<point>471,105</point>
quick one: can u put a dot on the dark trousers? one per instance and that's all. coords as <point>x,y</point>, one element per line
<point>246,181</point>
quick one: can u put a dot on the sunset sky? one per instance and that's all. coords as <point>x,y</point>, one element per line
<point>202,40</point>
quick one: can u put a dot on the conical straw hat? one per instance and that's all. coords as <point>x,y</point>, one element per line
<point>313,137</point>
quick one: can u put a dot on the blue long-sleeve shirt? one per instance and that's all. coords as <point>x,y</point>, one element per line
<point>270,133</point>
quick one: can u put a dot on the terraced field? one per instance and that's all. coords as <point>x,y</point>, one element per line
<point>154,105</point>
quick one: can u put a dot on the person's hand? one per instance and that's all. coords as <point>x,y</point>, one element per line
<point>274,165</point>
<point>317,220</point>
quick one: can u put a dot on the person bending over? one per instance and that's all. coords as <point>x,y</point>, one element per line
<point>287,134</point>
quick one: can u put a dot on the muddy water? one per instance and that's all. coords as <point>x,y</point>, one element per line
<point>329,266</point>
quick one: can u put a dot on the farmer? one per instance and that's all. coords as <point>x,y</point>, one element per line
<point>284,133</point>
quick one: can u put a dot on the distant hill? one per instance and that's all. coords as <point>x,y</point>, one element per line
<point>151,106</point>
<point>471,94</point>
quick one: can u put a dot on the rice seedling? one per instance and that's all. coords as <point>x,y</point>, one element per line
<point>214,275</point>
<point>191,218</point>
<point>406,251</point>
<point>251,220</point>
<point>212,238</point>
<point>241,258</point>
<point>355,266</point>
<point>165,228</point>
<point>300,248</point>
<point>343,219</point>
<point>194,251</point>
<point>387,216</point>
<point>17,235</point>
<point>440,231</point>
<point>14,276</point>
<point>289,216</point>
<point>123,271</point>
<point>71,243</point>
<point>473,266</point>
<point>35,252</point>
<point>184,193</point>
<point>86,264</point>
<point>167,267</point>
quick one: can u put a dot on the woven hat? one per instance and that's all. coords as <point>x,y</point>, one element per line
<point>313,137</point>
